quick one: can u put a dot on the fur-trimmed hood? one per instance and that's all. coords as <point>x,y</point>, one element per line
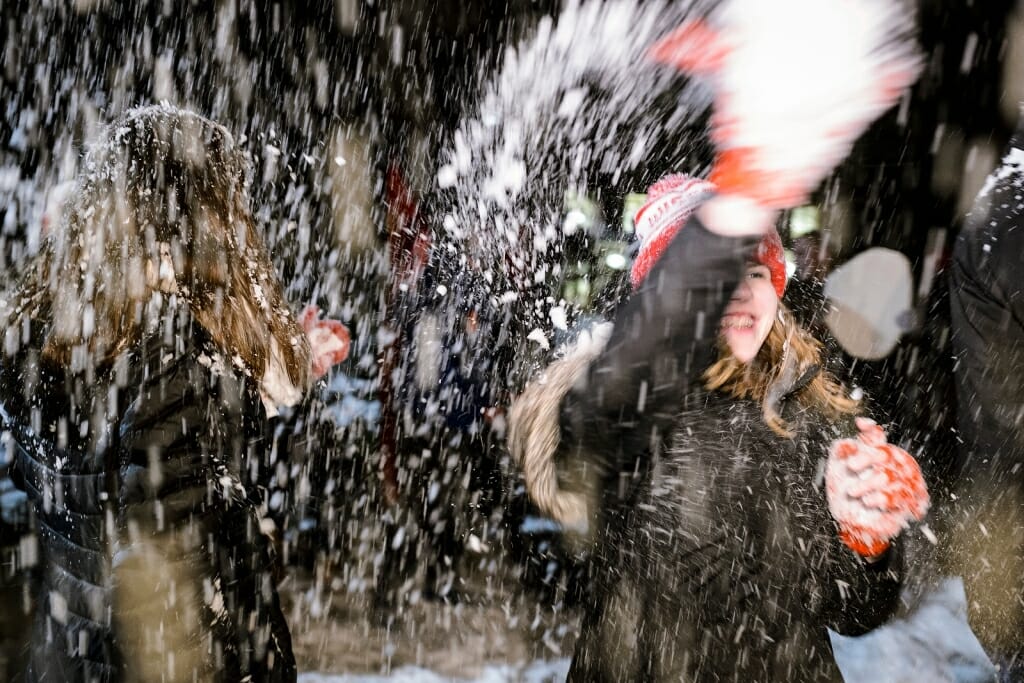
<point>534,430</point>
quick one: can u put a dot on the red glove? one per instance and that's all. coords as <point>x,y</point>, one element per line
<point>328,339</point>
<point>874,489</point>
<point>795,84</point>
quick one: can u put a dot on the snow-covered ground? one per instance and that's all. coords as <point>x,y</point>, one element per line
<point>934,643</point>
<point>535,672</point>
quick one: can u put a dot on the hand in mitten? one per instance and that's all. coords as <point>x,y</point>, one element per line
<point>795,83</point>
<point>874,489</point>
<point>328,339</point>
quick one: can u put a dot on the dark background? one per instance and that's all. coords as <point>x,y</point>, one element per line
<point>398,75</point>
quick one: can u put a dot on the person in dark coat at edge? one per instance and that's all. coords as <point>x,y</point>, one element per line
<point>985,522</point>
<point>144,348</point>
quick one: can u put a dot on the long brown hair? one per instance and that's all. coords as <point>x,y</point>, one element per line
<point>788,352</point>
<point>161,207</point>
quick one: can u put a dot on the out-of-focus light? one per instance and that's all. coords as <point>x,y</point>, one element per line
<point>574,220</point>
<point>803,220</point>
<point>615,261</point>
<point>790,263</point>
<point>631,204</point>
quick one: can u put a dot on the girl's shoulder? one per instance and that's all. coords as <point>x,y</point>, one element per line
<point>813,423</point>
<point>190,364</point>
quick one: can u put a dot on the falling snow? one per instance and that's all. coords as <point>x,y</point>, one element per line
<point>451,187</point>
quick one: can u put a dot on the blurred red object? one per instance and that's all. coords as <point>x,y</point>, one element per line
<point>794,83</point>
<point>329,340</point>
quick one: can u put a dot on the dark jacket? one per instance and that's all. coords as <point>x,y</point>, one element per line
<point>721,562</point>
<point>987,315</point>
<point>152,561</point>
<point>987,306</point>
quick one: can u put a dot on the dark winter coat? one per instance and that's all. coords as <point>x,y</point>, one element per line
<point>153,565</point>
<point>987,314</point>
<point>987,302</point>
<point>716,557</point>
<point>725,562</point>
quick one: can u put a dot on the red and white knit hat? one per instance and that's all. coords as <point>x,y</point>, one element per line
<point>670,201</point>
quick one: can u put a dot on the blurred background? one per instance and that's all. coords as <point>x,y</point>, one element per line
<point>377,129</point>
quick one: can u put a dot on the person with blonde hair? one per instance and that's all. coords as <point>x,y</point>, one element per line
<point>144,348</point>
<point>737,506</point>
<point>722,543</point>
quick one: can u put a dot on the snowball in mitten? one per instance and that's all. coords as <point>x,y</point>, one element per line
<point>874,490</point>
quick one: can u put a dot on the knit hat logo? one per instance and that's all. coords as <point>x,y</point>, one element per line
<point>670,203</point>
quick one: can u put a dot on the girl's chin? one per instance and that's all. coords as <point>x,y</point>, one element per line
<point>743,356</point>
<point>741,345</point>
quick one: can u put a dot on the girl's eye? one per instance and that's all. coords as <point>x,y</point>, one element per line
<point>755,274</point>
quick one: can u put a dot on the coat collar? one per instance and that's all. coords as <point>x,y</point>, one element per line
<point>791,380</point>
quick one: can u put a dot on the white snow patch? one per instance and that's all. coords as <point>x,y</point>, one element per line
<point>447,176</point>
<point>571,102</point>
<point>9,177</point>
<point>399,539</point>
<point>58,607</point>
<point>535,672</point>
<point>559,318</point>
<point>1013,164</point>
<point>537,335</point>
<point>386,336</point>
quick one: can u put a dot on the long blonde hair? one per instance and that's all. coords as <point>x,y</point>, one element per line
<point>788,352</point>
<point>160,207</point>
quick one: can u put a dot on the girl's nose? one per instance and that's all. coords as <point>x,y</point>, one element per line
<point>742,291</point>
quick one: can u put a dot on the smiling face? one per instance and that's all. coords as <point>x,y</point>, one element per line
<point>750,314</point>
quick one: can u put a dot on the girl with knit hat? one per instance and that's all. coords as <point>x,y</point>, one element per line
<point>735,504</point>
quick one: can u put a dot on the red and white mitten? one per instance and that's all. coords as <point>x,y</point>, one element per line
<point>874,489</point>
<point>795,83</point>
<point>328,339</point>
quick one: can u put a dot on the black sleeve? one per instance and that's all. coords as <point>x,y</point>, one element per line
<point>178,440</point>
<point>861,595</point>
<point>662,341</point>
<point>192,524</point>
<point>987,311</point>
<point>182,437</point>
